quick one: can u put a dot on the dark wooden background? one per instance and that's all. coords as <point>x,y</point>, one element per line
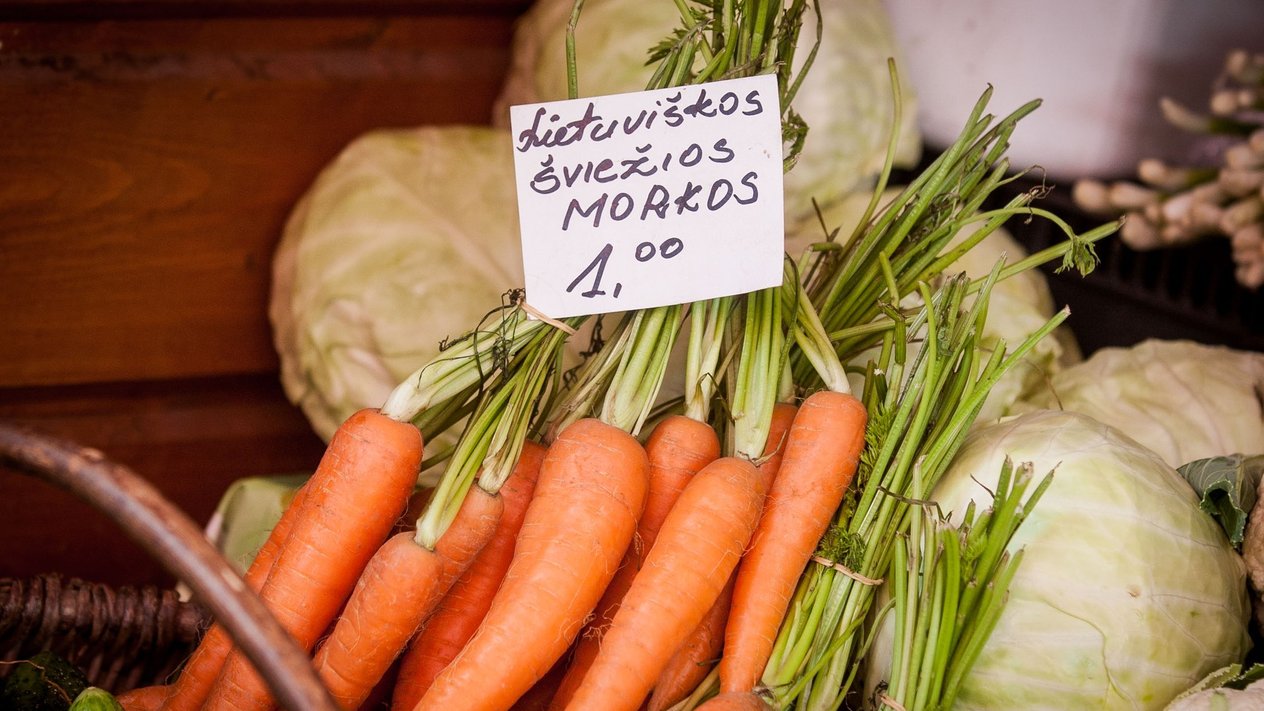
<point>149,154</point>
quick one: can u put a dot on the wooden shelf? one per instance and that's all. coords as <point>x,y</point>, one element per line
<point>153,152</point>
<point>191,438</point>
<point>90,10</point>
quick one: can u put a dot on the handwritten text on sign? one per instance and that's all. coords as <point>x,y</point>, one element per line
<point>646,199</point>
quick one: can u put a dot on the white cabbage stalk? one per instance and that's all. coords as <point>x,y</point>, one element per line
<point>1019,305</point>
<point>406,238</point>
<point>1184,400</point>
<point>1128,593</point>
<point>845,99</point>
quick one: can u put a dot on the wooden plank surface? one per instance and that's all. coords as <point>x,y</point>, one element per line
<point>190,438</point>
<point>79,10</point>
<point>151,152</point>
<point>148,168</point>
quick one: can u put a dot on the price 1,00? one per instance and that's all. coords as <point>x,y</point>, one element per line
<point>595,271</point>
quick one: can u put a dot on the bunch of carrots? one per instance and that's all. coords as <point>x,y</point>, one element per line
<point>588,546</point>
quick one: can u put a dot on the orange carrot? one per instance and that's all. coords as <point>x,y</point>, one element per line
<point>194,683</point>
<point>359,489</point>
<point>822,452</point>
<point>541,693</point>
<point>380,698</point>
<point>399,588</point>
<point>677,449</point>
<point>697,549</point>
<point>146,698</point>
<point>461,610</point>
<point>735,701</point>
<point>695,658</point>
<point>590,493</point>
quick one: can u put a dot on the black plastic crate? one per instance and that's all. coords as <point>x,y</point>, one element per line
<point>1184,292</point>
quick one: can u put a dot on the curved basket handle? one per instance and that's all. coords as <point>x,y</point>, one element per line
<point>176,542</point>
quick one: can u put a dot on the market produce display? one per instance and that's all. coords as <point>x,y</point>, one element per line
<point>836,508</point>
<point>357,302</point>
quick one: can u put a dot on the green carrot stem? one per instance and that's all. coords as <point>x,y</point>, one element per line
<point>462,365</point>
<point>901,571</point>
<point>591,382</point>
<point>933,614</point>
<point>690,22</point>
<point>493,437</point>
<point>442,415</point>
<point>708,321</point>
<point>948,618</point>
<point>505,445</point>
<point>758,373</point>
<point>461,471</point>
<point>908,206</point>
<point>572,67</point>
<point>810,335</point>
<point>968,652</point>
<point>634,386</point>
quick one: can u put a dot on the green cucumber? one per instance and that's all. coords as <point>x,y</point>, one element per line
<point>45,682</point>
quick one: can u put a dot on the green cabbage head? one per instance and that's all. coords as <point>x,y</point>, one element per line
<point>1127,594</point>
<point>408,237</point>
<point>1184,400</point>
<point>846,98</point>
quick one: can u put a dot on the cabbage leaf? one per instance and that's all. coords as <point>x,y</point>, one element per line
<point>1227,488</point>
<point>1182,399</point>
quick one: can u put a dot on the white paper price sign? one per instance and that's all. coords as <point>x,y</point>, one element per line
<point>651,198</point>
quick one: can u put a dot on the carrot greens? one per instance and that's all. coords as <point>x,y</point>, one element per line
<point>922,402</point>
<point>949,582</point>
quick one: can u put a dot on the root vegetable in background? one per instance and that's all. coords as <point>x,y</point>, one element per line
<point>347,512</point>
<point>1175,204</point>
<point>460,612</point>
<point>600,472</point>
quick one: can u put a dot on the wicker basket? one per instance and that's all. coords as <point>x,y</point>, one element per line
<point>136,636</point>
<point>122,638</point>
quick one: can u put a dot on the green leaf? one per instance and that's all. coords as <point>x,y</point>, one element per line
<point>1245,678</point>
<point>1227,488</point>
<point>1230,677</point>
